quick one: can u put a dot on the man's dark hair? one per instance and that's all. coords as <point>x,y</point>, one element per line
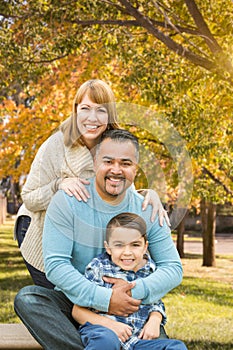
<point>121,135</point>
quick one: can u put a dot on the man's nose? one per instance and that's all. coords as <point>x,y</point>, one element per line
<point>116,168</point>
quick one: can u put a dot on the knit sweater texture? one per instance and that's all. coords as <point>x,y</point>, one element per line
<point>53,162</point>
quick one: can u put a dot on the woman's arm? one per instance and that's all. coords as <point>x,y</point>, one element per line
<point>152,197</point>
<point>43,179</point>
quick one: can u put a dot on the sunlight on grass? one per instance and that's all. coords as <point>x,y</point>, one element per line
<point>200,310</point>
<point>13,274</point>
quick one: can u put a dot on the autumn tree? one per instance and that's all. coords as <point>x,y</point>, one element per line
<point>173,55</point>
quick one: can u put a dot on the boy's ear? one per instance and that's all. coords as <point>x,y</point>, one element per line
<point>146,246</point>
<point>106,246</point>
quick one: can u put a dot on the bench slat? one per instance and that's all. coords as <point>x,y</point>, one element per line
<point>16,336</point>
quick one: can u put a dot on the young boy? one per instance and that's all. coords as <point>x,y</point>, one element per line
<point>126,258</point>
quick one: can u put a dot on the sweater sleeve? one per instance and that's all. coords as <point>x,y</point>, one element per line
<point>42,181</point>
<point>58,252</point>
<point>169,271</point>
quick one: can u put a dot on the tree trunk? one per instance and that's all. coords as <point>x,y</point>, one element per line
<point>208,217</point>
<point>180,237</point>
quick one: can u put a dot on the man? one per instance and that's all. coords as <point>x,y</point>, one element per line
<point>74,233</point>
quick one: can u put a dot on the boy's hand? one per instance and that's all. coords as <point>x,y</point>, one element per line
<point>151,329</point>
<point>122,330</point>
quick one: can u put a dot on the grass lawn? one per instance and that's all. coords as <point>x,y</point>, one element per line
<point>200,310</point>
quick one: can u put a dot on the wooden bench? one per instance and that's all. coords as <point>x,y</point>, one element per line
<point>16,336</point>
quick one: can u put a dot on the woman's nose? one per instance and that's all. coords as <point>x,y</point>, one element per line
<point>92,115</point>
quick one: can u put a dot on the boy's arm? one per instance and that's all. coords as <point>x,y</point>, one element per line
<point>83,315</point>
<point>157,317</point>
<point>151,329</point>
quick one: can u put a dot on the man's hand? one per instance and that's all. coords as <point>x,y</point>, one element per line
<point>121,302</point>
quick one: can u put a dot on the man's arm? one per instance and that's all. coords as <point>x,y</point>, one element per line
<point>169,268</point>
<point>58,248</point>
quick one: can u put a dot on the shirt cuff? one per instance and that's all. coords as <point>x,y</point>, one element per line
<point>140,291</point>
<point>56,184</point>
<point>101,299</point>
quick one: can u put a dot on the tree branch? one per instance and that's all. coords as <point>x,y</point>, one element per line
<point>202,26</point>
<point>171,44</point>
<point>217,181</point>
<point>133,23</point>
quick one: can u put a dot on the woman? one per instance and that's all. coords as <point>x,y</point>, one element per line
<point>64,161</point>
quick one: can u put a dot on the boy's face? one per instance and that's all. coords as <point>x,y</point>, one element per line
<point>127,248</point>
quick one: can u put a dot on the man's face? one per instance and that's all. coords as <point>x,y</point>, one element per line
<point>115,168</point>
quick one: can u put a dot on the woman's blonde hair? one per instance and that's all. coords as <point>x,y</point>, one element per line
<point>99,92</point>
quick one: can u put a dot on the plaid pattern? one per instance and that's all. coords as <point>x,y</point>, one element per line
<point>103,266</point>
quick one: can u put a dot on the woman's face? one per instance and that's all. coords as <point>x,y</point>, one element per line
<point>92,121</point>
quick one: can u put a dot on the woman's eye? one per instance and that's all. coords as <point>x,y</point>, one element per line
<point>102,110</point>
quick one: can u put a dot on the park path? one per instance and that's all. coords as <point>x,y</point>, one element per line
<point>223,245</point>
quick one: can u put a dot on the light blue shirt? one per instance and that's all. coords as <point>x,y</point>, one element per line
<point>74,233</point>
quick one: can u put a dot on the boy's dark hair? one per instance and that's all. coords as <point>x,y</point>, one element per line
<point>127,220</point>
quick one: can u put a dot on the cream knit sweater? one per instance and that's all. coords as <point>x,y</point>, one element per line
<point>53,162</point>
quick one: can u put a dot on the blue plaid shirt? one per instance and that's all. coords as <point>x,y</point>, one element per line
<point>103,266</point>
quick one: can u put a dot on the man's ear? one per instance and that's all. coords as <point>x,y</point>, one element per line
<point>106,246</point>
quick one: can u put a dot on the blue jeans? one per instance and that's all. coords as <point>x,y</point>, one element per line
<point>38,277</point>
<point>47,315</point>
<point>95,337</point>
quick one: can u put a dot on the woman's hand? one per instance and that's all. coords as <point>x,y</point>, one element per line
<point>75,186</point>
<point>151,197</point>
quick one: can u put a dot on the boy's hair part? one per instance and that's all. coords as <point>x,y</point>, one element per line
<point>127,220</point>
